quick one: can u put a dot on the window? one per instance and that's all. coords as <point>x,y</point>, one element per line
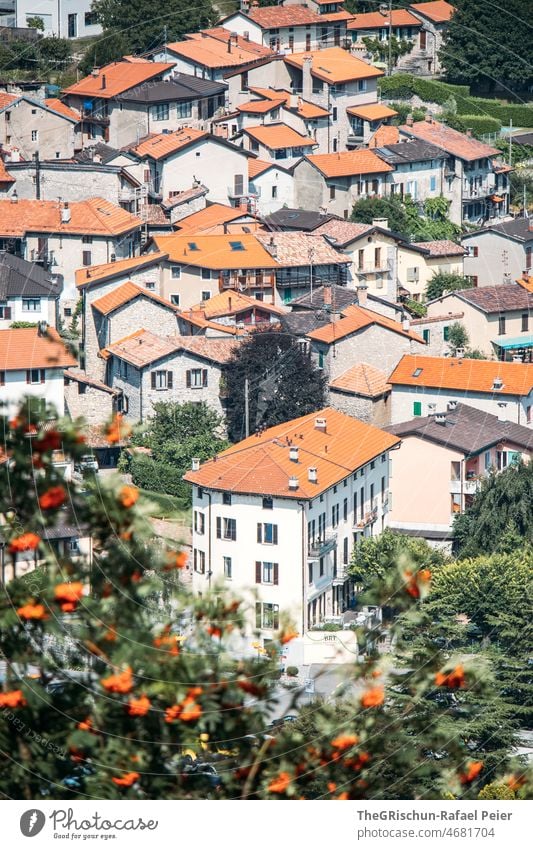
<point>417,408</point>
<point>122,369</point>
<point>226,498</point>
<point>488,461</point>
<point>199,493</point>
<point>8,116</point>
<point>86,240</point>
<point>198,559</point>
<point>426,336</point>
<point>267,533</point>
<point>529,256</point>
<point>310,573</point>
<point>35,375</point>
<point>455,470</point>
<point>150,285</point>
<point>446,333</point>
<point>227,568</point>
<point>206,275</point>
<point>175,299</point>
<point>226,528</point>
<point>334,114</point>
<point>321,567</point>
<point>123,404</point>
<point>206,294</point>
<point>86,258</point>
<point>335,515</point>
<point>160,112</point>
<point>355,506</point>
<point>91,19</point>
<point>2,378</point>
<point>345,549</point>
<point>529,414</point>
<point>332,192</point>
<point>268,503</point>
<point>184,110</point>
<point>35,135</point>
<point>31,305</point>
<point>362,503</point>
<point>501,325</point>
<point>266,615</point>
<point>361,85</point>
<point>161,379</point>
<point>373,465</point>
<point>321,359</point>
<point>175,272</point>
<point>196,378</point>
<point>525,321</point>
<point>345,509</point>
<point>72,26</point>
<point>274,192</point>
<point>266,572</point>
<point>432,184</point>
<point>199,522</point>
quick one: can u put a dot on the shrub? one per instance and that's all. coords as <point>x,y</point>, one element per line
<point>479,124</point>
<point>158,476</point>
<point>292,671</point>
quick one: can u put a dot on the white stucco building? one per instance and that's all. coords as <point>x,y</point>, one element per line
<point>62,18</point>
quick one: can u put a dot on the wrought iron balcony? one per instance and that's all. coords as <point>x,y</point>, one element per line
<point>319,547</point>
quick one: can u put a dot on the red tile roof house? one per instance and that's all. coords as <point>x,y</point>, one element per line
<point>146,368</point>
<point>401,24</point>
<point>423,385</point>
<point>475,178</point>
<point>435,16</point>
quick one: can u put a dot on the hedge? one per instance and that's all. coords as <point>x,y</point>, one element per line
<point>479,124</point>
<point>159,477</point>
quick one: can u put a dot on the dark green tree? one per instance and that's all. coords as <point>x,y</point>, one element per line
<point>457,336</point>
<point>379,49</point>
<point>443,282</point>
<point>283,382</point>
<point>391,208</point>
<point>374,557</point>
<point>407,218</point>
<point>484,49</point>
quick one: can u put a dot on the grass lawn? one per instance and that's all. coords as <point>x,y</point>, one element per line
<point>167,507</point>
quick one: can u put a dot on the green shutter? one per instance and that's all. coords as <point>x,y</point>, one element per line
<point>417,408</point>
<point>426,335</point>
<point>446,333</point>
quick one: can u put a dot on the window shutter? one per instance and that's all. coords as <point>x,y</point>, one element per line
<point>28,376</point>
<point>276,573</point>
<point>275,534</point>
<point>169,380</point>
<point>257,571</point>
<point>153,380</point>
<point>219,527</point>
<point>7,312</point>
<point>259,532</point>
<point>43,375</point>
<point>204,377</point>
<point>188,378</point>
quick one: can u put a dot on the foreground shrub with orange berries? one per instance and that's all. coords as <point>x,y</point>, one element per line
<point>120,684</point>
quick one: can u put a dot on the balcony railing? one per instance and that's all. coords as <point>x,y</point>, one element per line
<point>319,547</point>
<point>478,191</point>
<point>246,281</point>
<point>380,267</point>
<point>467,487</point>
<point>44,258</point>
<point>341,576</point>
<point>368,519</point>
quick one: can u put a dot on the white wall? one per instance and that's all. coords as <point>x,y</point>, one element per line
<point>402,399</point>
<point>48,11</point>
<point>15,388</point>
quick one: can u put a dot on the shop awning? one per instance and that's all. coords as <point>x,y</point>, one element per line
<point>514,342</point>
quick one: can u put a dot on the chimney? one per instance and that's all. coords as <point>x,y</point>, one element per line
<point>229,303</point>
<point>406,325</point>
<point>497,383</point>
<point>94,72</point>
<point>14,197</point>
<point>245,5</point>
<point>362,292</point>
<point>42,328</point>
<point>272,247</point>
<point>195,464</point>
<point>246,35</point>
<point>381,222</point>
<point>440,418</point>
<point>502,412</point>
<point>294,101</point>
<point>294,483</point>
<point>452,405</point>
<point>229,44</point>
<point>469,132</point>
<point>312,474</point>
<point>409,121</point>
<point>307,80</point>
<point>429,118</point>
<point>327,297</point>
<point>15,154</point>
<point>234,38</point>
<point>65,214</point>
<point>293,453</point>
<point>321,424</point>
<point>103,85</point>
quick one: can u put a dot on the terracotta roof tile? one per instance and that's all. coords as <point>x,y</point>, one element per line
<point>57,105</point>
<point>371,111</point>
<point>6,99</point>
<point>165,144</point>
<point>272,17</point>
<point>143,347</point>
<point>441,247</point>
<point>278,136</point>
<point>261,465</point>
<point>384,135</point>
<point>335,65</point>
<point>349,163</point>
<point>526,284</point>
<point>209,218</point>
<point>216,252</point>
<point>212,50</point>
<point>123,295</point>
<point>24,348</point>
<point>356,318</point>
<point>376,20</point>
<point>468,375</point>
<point>260,107</point>
<point>5,176</point>
<point>293,248</point>
<point>81,377</point>
<point>95,273</point>
<point>258,166</point>
<point>232,303</point>
<point>498,299</point>
<point>452,141</point>
<point>362,379</point>
<point>96,217</point>
<point>343,231</point>
<point>118,77</point>
<point>438,11</point>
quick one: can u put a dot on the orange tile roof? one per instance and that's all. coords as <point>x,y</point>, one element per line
<point>356,318</point>
<point>467,375</point>
<point>212,52</point>
<point>349,163</point>
<point>232,303</point>
<point>57,105</point>
<point>95,273</point>
<point>258,166</point>
<point>438,10</point>
<point>215,252</point>
<point>209,218</point>
<point>96,217</point>
<point>272,17</point>
<point>261,464</point>
<point>164,144</point>
<point>260,107</point>
<point>143,347</point>
<point>118,77</point>
<point>362,379</point>
<point>335,65</point>
<point>376,20</point>
<point>372,111</point>
<point>24,348</point>
<point>5,176</point>
<point>124,294</point>
<point>303,107</point>
<point>384,135</point>
<point>278,136</point>
<point>6,99</point>
<point>452,141</point>
<point>527,284</point>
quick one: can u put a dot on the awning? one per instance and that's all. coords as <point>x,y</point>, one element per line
<point>496,199</point>
<point>371,112</point>
<point>514,342</point>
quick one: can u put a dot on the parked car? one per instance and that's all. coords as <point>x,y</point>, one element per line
<point>86,463</point>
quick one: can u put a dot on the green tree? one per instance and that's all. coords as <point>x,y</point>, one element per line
<point>379,49</point>
<point>500,517</point>
<point>457,337</point>
<point>35,22</point>
<point>443,282</point>
<point>407,218</point>
<point>485,49</point>
<point>374,557</point>
<point>283,382</point>
<point>391,208</point>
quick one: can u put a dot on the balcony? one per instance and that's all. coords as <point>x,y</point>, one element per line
<point>467,487</point>
<point>341,576</point>
<point>44,258</point>
<point>240,282</point>
<point>355,138</point>
<point>236,192</point>
<point>368,519</point>
<point>472,192</point>
<point>381,267</point>
<point>319,547</point>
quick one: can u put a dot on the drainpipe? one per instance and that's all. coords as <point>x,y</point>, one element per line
<point>209,570</point>
<point>141,396</point>
<point>301,504</point>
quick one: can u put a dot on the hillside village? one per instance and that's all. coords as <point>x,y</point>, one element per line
<point>165,209</point>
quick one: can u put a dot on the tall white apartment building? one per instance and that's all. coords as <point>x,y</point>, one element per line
<point>279,512</point>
